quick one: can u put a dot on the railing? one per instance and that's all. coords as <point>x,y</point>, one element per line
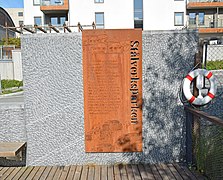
<point>52,2</point>
<point>205,0</point>
<point>6,52</point>
<point>48,28</point>
<point>208,23</point>
<point>204,142</point>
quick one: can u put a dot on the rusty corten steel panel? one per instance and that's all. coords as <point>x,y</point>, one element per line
<point>112,69</point>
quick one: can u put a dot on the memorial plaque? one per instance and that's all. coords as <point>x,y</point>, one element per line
<point>112,69</point>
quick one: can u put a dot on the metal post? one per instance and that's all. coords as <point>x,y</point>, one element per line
<point>205,48</point>
<point>189,150</point>
<point>64,29</point>
<point>79,26</point>
<point>6,32</point>
<point>196,120</point>
<point>205,54</point>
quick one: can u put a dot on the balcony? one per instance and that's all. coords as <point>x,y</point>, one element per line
<point>48,6</point>
<point>200,4</point>
<point>209,25</point>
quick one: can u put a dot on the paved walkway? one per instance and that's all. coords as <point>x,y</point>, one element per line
<point>13,98</point>
<point>94,172</point>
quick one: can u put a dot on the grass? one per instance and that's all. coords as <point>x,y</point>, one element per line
<point>7,84</point>
<point>214,65</point>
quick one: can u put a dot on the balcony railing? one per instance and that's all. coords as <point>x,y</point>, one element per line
<point>208,23</point>
<point>52,2</point>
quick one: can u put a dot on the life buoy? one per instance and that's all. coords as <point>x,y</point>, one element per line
<point>186,87</point>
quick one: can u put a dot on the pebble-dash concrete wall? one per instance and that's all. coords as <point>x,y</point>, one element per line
<point>12,128</point>
<point>12,123</point>
<point>52,67</point>
<point>167,58</point>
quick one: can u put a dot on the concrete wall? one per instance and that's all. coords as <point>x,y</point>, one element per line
<point>12,123</point>
<point>12,129</point>
<point>54,99</point>
<point>12,69</point>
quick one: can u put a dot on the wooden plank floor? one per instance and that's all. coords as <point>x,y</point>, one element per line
<point>95,172</point>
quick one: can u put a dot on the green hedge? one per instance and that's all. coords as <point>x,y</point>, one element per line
<point>12,41</point>
<point>214,65</point>
<point>11,83</point>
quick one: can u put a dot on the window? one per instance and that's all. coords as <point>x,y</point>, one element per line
<point>20,13</point>
<point>20,23</point>
<point>36,2</point>
<point>201,18</point>
<point>62,20</point>
<point>192,18</point>
<point>99,1</point>
<point>54,20</point>
<point>138,14</point>
<point>178,18</point>
<point>99,20</point>
<point>37,20</point>
<point>138,9</point>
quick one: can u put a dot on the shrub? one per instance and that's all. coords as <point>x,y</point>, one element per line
<point>11,83</point>
<point>12,41</point>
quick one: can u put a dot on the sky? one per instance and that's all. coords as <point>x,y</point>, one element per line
<point>11,3</point>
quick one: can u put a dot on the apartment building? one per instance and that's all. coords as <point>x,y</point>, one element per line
<point>164,14</point>
<point>108,14</point>
<point>16,14</point>
<point>207,17</point>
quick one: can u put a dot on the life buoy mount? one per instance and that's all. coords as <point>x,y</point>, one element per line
<point>200,100</point>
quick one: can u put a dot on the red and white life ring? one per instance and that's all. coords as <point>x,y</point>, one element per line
<point>186,87</point>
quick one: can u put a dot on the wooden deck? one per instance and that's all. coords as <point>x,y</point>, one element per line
<point>94,172</point>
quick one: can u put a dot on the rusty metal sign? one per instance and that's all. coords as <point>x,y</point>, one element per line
<point>112,73</point>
